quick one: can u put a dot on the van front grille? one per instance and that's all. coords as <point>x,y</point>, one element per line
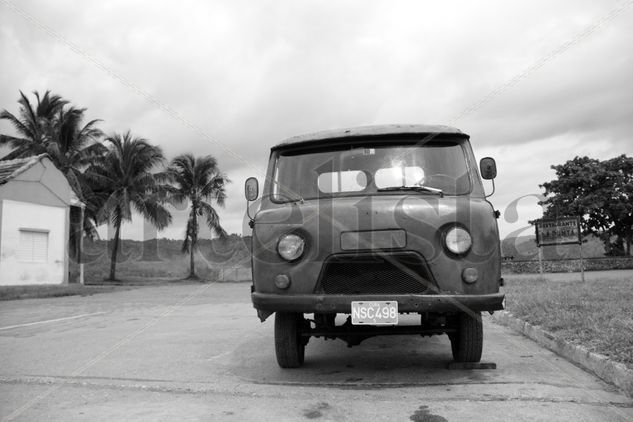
<point>395,273</point>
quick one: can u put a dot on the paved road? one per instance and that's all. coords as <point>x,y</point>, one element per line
<point>198,352</point>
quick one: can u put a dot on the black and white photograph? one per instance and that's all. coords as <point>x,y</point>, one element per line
<point>316,210</point>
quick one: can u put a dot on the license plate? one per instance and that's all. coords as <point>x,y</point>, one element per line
<point>375,313</point>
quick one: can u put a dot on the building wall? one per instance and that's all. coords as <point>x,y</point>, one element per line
<point>35,218</point>
<point>38,199</point>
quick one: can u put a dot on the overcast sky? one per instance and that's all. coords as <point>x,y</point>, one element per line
<point>534,83</point>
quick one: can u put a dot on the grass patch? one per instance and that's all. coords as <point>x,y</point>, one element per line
<point>597,314</point>
<point>162,259</point>
<point>132,267</point>
<point>41,291</point>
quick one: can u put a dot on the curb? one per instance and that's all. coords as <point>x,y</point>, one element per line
<point>601,366</point>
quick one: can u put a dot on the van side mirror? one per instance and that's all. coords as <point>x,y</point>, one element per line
<point>251,189</point>
<point>488,168</point>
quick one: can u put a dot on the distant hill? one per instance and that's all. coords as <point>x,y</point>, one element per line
<point>523,248</point>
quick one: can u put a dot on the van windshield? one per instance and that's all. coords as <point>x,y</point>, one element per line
<point>352,170</point>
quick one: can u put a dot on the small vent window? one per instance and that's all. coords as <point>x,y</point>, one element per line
<point>33,246</point>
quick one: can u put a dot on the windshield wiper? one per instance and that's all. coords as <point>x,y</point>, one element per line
<point>417,188</point>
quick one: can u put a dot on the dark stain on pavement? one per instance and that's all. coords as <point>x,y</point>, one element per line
<point>424,415</point>
<point>315,412</point>
<point>478,376</point>
<point>331,372</point>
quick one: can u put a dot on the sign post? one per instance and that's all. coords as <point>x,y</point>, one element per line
<point>560,231</point>
<point>582,264</point>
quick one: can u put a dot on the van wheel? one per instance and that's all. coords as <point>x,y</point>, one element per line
<point>468,342</point>
<point>289,345</point>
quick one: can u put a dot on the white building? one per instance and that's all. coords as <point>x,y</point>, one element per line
<point>35,201</point>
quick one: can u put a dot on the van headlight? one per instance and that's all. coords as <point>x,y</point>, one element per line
<point>290,247</point>
<point>458,240</point>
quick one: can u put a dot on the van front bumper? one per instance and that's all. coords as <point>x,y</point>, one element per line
<point>267,303</point>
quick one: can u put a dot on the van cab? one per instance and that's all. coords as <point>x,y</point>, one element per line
<point>358,227</point>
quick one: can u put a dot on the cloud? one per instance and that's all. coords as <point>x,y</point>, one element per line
<point>250,74</point>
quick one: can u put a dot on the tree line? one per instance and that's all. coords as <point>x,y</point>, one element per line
<point>117,173</point>
<point>601,193</point>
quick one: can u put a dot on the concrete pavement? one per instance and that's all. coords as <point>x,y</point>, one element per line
<point>198,352</point>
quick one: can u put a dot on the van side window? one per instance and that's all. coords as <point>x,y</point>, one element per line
<point>342,181</point>
<point>399,176</point>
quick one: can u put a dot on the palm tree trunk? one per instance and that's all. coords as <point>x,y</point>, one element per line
<point>194,240</point>
<point>192,270</point>
<point>115,250</point>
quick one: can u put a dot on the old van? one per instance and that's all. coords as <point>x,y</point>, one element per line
<point>371,223</point>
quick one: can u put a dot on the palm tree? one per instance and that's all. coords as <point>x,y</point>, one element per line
<point>52,128</point>
<point>34,125</point>
<point>75,146</point>
<point>199,181</point>
<point>123,181</point>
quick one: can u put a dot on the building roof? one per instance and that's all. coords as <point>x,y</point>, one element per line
<point>369,131</point>
<point>11,168</point>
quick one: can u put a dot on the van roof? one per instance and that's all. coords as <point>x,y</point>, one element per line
<point>370,131</point>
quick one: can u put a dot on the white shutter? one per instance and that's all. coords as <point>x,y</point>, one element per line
<point>33,246</point>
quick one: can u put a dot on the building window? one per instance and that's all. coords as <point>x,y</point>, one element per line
<point>33,246</point>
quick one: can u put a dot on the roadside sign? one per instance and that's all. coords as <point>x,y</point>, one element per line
<point>561,231</point>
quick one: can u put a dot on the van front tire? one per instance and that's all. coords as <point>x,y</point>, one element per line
<point>289,345</point>
<point>467,343</point>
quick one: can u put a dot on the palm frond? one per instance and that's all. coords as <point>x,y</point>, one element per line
<point>154,212</point>
<point>18,125</point>
<point>212,219</point>
<point>215,188</point>
<point>13,141</point>
<point>129,161</point>
<point>75,183</point>
<point>19,152</point>
<point>28,114</point>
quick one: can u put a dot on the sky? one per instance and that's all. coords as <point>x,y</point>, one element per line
<point>533,83</point>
